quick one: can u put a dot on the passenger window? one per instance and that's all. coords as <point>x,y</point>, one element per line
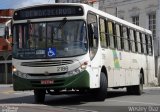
<point>138,41</point>
<point>122,39</point>
<point>126,40</point>
<point>135,41</point>
<point>118,36</point>
<point>102,33</point>
<point>141,43</point>
<point>144,44</point>
<point>149,45</point>
<point>132,41</point>
<point>110,32</point>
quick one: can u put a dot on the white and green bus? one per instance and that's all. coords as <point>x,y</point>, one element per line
<point>60,48</point>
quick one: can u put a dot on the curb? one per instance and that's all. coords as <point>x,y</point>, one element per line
<point>6,85</point>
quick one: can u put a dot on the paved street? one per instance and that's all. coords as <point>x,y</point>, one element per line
<point>117,100</point>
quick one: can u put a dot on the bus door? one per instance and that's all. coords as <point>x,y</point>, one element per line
<point>93,49</point>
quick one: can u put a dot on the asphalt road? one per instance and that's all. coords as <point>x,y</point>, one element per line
<point>117,101</point>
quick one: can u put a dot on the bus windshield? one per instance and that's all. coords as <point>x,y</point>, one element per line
<point>49,39</point>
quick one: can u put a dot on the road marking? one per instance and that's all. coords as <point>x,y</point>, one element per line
<point>135,102</point>
<point>7,92</point>
<point>58,108</point>
<point>24,93</point>
<point>22,104</point>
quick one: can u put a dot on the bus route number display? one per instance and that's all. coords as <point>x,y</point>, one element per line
<point>48,11</point>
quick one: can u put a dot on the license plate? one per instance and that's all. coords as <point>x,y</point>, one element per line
<point>47,82</point>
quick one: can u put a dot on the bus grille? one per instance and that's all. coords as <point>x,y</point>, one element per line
<point>47,63</point>
<point>50,74</point>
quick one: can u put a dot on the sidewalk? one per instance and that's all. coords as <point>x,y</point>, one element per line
<point>6,85</point>
<point>157,87</point>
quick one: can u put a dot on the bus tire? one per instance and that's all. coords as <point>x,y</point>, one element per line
<point>137,89</point>
<point>130,90</point>
<point>101,93</point>
<point>39,96</point>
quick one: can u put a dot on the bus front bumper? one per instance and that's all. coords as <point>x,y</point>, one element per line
<point>78,81</point>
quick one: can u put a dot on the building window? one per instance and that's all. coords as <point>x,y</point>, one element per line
<point>152,23</point>
<point>135,20</point>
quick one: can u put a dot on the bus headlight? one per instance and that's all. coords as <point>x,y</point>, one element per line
<point>78,70</point>
<point>74,72</point>
<point>84,65</point>
<point>14,69</point>
<point>20,74</point>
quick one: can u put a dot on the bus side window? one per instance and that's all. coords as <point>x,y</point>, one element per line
<point>129,39</point>
<point>141,42</point>
<point>149,44</point>
<point>132,41</point>
<point>118,36</point>
<point>135,41</point>
<point>102,30</point>
<point>144,44</point>
<point>114,35</point>
<point>125,36</point>
<point>138,41</point>
<point>122,39</point>
<point>111,37</point>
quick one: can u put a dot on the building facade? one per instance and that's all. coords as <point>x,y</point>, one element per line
<point>5,49</point>
<point>144,13</point>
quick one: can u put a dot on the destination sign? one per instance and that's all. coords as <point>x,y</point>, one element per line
<point>48,11</point>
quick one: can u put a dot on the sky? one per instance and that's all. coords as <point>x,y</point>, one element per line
<point>13,4</point>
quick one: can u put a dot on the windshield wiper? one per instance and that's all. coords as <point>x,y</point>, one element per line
<point>64,21</point>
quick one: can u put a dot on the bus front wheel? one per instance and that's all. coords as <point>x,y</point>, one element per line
<point>39,96</point>
<point>101,92</point>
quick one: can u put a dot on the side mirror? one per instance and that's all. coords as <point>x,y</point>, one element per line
<point>7,35</point>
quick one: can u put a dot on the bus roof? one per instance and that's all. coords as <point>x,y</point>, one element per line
<point>99,12</point>
<point>116,19</point>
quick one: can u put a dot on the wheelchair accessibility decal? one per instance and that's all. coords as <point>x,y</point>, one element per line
<point>51,52</point>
